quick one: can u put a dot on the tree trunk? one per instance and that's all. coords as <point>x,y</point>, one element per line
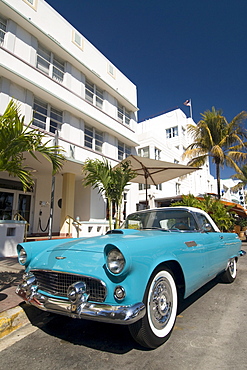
<point>118,213</point>
<point>218,179</point>
<point>110,213</point>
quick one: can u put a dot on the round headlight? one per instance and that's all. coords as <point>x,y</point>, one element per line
<point>22,256</point>
<point>115,261</point>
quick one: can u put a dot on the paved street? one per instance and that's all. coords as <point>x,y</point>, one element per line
<point>210,333</point>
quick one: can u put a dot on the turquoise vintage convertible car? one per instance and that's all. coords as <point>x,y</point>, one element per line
<point>133,275</point>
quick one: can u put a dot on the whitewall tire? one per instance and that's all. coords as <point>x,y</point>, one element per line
<point>161,304</point>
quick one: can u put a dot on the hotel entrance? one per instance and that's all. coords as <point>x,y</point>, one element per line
<point>14,201</point>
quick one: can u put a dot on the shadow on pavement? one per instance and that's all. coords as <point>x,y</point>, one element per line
<point>96,335</point>
<point>8,279</point>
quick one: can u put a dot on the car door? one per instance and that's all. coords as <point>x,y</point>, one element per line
<point>215,253</point>
<point>192,260</point>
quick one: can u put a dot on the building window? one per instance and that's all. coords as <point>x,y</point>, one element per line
<point>40,114</point>
<point>31,3</point>
<point>111,70</point>
<point>89,91</point>
<point>159,187</point>
<point>56,120</point>
<point>58,69</point>
<point>93,138</point>
<point>98,141</point>
<point>123,114</point>
<point>143,186</point>
<point>123,150</point>
<point>127,150</point>
<point>171,132</point>
<point>49,64</point>
<point>144,152</point>
<point>177,185</point>
<point>88,137</point>
<point>2,30</point>
<point>93,94</point>
<point>46,117</point>
<point>43,59</point>
<point>157,154</point>
<point>120,150</point>
<point>77,39</point>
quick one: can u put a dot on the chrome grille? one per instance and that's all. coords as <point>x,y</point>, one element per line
<point>57,283</point>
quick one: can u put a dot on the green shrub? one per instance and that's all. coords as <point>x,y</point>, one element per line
<point>222,215</point>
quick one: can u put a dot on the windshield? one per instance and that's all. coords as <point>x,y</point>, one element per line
<point>161,219</point>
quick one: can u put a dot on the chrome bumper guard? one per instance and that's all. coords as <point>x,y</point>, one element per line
<point>124,315</point>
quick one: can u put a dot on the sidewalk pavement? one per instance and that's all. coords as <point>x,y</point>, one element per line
<point>12,314</point>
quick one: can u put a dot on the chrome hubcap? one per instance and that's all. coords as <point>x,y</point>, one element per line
<point>232,267</point>
<point>161,303</point>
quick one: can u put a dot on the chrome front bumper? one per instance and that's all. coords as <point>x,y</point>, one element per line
<point>124,315</point>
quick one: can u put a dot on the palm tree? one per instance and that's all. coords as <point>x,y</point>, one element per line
<point>224,142</point>
<point>16,139</point>
<point>98,174</point>
<point>242,177</point>
<point>121,176</point>
<point>109,181</point>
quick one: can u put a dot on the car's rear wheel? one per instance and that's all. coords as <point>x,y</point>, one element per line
<point>161,303</point>
<point>231,272</point>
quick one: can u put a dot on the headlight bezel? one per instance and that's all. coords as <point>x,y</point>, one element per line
<point>22,256</point>
<point>115,261</point>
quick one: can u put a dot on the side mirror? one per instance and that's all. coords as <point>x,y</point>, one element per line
<point>207,228</point>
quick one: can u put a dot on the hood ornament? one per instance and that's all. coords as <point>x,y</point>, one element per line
<point>60,258</point>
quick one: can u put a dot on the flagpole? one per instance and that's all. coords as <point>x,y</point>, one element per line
<point>188,103</point>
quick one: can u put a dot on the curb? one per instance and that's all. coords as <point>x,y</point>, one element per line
<point>21,315</point>
<point>11,320</point>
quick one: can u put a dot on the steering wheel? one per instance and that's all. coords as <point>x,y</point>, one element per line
<point>182,226</point>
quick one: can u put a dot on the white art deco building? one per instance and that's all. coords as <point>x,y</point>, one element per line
<point>165,137</point>
<point>65,85</point>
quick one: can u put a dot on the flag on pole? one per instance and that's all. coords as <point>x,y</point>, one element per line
<point>187,103</point>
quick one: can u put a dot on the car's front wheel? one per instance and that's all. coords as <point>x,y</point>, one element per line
<point>161,303</point>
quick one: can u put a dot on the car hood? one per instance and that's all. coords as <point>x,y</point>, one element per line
<point>98,243</point>
<point>76,255</point>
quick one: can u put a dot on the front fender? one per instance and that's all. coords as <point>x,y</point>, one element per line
<point>34,248</point>
<point>136,281</point>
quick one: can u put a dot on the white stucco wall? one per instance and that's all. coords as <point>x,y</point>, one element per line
<point>152,133</point>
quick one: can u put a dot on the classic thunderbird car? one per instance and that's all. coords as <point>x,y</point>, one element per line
<point>133,275</point>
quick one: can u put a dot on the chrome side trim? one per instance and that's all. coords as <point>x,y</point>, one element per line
<point>123,315</point>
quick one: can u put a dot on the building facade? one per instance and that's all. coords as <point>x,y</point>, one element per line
<point>165,137</point>
<point>80,100</point>
<point>229,194</point>
<point>69,90</point>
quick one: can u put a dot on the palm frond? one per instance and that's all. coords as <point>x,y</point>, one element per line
<point>16,139</point>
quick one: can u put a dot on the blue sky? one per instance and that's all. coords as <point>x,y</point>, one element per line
<point>172,50</point>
